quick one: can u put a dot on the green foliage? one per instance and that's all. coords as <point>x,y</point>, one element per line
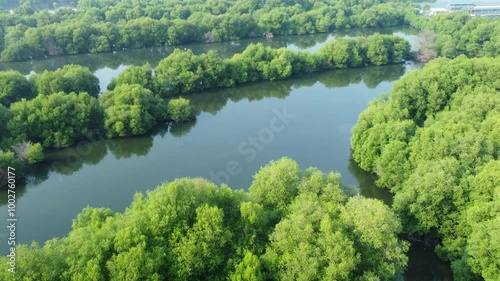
<point>200,252</point>
<point>311,244</point>
<point>275,185</point>
<point>463,34</point>
<point>179,109</point>
<point>56,120</point>
<point>376,229</point>
<point>136,109</point>
<point>177,73</point>
<point>377,51</point>
<point>141,75</point>
<point>183,72</point>
<point>70,78</point>
<point>323,238</point>
<point>103,26</point>
<point>249,269</point>
<point>199,233</point>
<point>131,109</point>
<point>435,143</point>
<point>13,87</point>
<point>28,152</point>
<point>8,159</point>
<point>35,153</point>
<point>483,221</point>
<point>343,53</point>
<point>5,115</point>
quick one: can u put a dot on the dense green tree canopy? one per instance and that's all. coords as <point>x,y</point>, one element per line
<point>183,72</point>
<point>13,87</point>
<point>5,115</point>
<point>459,33</point>
<point>8,159</point>
<point>179,109</point>
<point>131,109</point>
<point>141,75</point>
<point>106,25</point>
<point>435,143</point>
<point>70,78</point>
<point>191,229</point>
<point>56,120</point>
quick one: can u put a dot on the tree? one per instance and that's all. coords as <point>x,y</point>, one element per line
<point>13,87</point>
<point>131,109</point>
<point>8,159</point>
<point>5,115</point>
<point>249,269</point>
<point>375,229</point>
<point>201,250</point>
<point>56,120</point>
<point>141,75</point>
<point>426,52</point>
<point>433,142</point>
<point>202,231</point>
<point>179,109</point>
<point>306,245</point>
<point>177,73</point>
<point>482,217</point>
<point>276,184</point>
<point>70,78</point>
<point>377,51</point>
<point>28,152</point>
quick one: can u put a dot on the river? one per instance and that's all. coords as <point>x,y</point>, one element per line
<point>234,127</point>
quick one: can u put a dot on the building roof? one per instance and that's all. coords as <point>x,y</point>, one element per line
<point>438,10</point>
<point>487,8</point>
<point>462,4</point>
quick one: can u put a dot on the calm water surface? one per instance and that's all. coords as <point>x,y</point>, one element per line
<point>244,127</point>
<point>109,65</point>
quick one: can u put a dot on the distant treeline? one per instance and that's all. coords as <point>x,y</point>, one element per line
<point>37,4</point>
<point>98,26</point>
<point>57,108</point>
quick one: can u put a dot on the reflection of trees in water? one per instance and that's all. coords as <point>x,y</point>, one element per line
<point>341,78</point>
<point>154,55</point>
<point>374,75</point>
<point>367,185</point>
<point>259,91</point>
<point>179,129</point>
<point>69,160</point>
<point>131,146</point>
<point>213,101</point>
<point>61,161</point>
<point>159,130</point>
<point>305,41</point>
<point>210,101</point>
<point>20,191</point>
